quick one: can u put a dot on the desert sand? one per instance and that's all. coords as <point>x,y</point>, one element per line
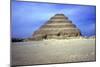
<point>52,51</point>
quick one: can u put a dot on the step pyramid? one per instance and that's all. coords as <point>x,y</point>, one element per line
<point>58,27</point>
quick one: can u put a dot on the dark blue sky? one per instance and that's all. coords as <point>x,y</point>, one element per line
<point>29,16</point>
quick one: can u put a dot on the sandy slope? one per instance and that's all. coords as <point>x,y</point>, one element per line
<point>53,51</point>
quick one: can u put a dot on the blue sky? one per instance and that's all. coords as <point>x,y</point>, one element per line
<point>27,17</point>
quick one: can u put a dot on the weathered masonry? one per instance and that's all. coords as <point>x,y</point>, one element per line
<point>58,27</point>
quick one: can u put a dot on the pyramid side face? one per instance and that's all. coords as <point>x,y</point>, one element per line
<point>58,26</point>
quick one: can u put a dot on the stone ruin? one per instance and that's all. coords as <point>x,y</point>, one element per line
<point>58,27</point>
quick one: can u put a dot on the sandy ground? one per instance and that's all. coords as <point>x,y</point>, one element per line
<point>52,51</point>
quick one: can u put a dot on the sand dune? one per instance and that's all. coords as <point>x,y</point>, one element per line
<point>53,51</point>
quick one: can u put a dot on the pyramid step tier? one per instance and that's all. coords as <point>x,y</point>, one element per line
<point>61,20</point>
<point>56,31</point>
<point>42,33</point>
<point>63,28</point>
<point>59,26</point>
<point>59,17</point>
<point>57,35</point>
<point>62,23</point>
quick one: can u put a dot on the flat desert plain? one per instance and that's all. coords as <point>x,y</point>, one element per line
<point>53,51</point>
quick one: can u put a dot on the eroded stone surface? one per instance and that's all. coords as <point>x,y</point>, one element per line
<point>58,27</point>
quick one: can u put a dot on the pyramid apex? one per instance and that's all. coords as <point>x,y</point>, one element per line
<point>60,14</point>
